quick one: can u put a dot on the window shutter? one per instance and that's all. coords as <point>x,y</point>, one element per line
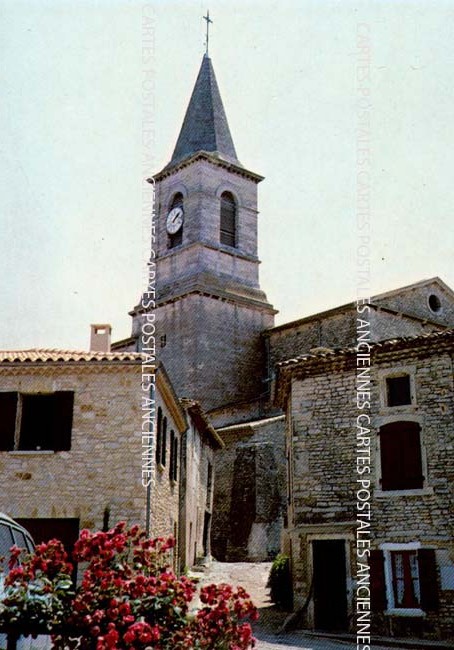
<point>164,442</point>
<point>412,457</point>
<point>175,458</point>
<point>428,578</point>
<point>400,451</point>
<point>8,408</point>
<point>377,581</point>
<point>159,436</point>
<point>172,439</point>
<point>62,420</point>
<point>390,452</point>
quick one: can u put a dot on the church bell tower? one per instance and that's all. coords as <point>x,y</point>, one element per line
<point>209,310</point>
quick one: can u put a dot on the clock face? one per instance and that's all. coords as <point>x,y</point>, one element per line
<point>175,220</point>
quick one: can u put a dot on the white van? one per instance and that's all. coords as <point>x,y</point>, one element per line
<point>12,533</point>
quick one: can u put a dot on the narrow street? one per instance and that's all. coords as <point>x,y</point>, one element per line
<point>253,577</point>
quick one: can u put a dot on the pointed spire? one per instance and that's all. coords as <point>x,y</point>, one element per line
<point>205,126</point>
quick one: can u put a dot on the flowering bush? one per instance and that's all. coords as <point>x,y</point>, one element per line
<point>128,597</point>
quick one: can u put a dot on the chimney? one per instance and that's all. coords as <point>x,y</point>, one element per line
<point>100,338</point>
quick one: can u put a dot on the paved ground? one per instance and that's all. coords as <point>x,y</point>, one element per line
<point>253,577</point>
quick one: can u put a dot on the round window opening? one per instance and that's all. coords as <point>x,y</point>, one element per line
<point>434,303</point>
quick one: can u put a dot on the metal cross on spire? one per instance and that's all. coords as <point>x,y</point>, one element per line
<point>208,19</point>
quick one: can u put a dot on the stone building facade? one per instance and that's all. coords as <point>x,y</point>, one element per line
<point>411,485</point>
<point>199,444</point>
<point>71,430</point>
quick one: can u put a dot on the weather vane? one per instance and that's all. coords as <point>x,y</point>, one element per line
<point>208,19</point>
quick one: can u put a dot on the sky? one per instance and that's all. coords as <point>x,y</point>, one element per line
<point>94,94</point>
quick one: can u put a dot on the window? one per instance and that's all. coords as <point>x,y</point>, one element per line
<point>228,220</point>
<point>177,238</point>
<point>403,577</point>
<point>173,465</point>
<point>400,455</point>
<point>434,303</point>
<point>161,438</point>
<point>36,422</point>
<point>398,391</point>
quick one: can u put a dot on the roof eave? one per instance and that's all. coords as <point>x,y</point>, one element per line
<point>217,160</point>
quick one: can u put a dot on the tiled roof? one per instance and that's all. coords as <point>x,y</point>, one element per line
<point>388,345</point>
<point>378,307</point>
<point>45,355</point>
<point>205,126</point>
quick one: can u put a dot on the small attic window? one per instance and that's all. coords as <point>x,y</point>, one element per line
<point>434,303</point>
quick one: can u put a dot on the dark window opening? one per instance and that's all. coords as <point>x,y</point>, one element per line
<point>401,459</point>
<point>228,220</point>
<point>434,303</point>
<point>173,465</point>
<point>398,390</point>
<point>163,341</point>
<point>44,421</point>
<point>209,486</point>
<point>177,238</point>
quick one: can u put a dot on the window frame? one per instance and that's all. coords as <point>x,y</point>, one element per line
<point>223,232</point>
<point>393,609</point>
<point>161,439</point>
<point>426,489</point>
<point>64,421</point>
<point>389,390</point>
<point>173,462</point>
<point>391,373</point>
<point>423,464</point>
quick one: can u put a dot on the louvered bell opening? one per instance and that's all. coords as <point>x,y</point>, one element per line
<point>228,220</point>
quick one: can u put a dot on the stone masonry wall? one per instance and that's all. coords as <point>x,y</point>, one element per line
<point>321,435</point>
<point>196,499</point>
<point>101,474</point>
<point>250,492</point>
<point>213,352</point>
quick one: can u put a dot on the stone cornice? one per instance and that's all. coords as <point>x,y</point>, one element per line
<point>208,157</point>
<point>62,368</point>
<point>226,250</point>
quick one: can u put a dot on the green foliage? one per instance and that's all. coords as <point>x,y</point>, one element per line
<point>280,583</point>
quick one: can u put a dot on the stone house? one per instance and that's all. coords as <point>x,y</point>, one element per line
<point>199,444</point>
<point>72,454</point>
<point>408,430</point>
